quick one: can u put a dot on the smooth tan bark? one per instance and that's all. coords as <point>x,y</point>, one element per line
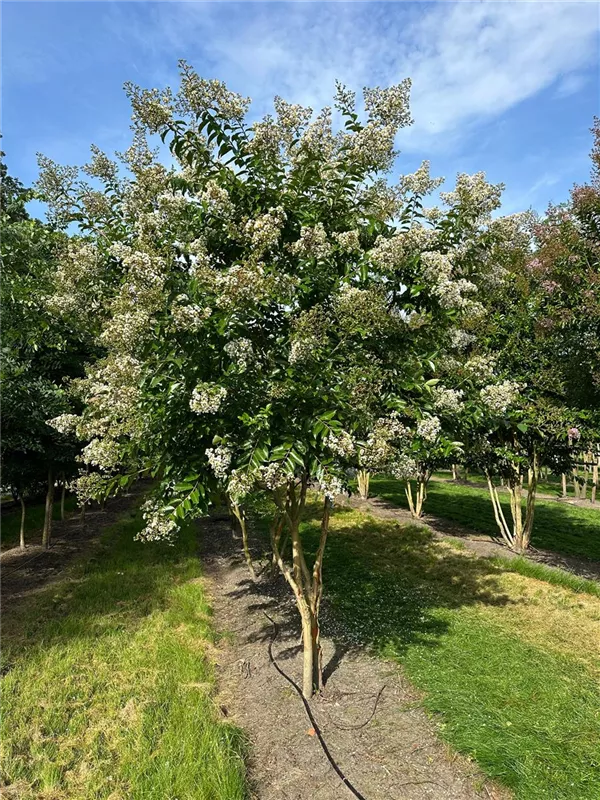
<point>417,500</point>
<point>240,515</point>
<point>516,535</point>
<point>363,478</point>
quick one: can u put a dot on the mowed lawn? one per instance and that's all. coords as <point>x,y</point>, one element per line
<point>566,529</point>
<point>508,664</point>
<point>107,687</point>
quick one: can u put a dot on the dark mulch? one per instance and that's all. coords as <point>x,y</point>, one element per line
<point>397,755</point>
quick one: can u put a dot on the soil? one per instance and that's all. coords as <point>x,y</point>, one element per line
<point>369,715</point>
<point>481,544</point>
<point>26,571</point>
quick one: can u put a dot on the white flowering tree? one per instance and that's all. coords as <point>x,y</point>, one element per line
<point>268,306</point>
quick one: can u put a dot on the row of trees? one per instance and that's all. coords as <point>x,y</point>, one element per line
<point>274,315</point>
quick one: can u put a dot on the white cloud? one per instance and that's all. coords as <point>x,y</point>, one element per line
<point>470,62</point>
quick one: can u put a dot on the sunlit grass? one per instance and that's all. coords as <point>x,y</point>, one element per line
<point>108,691</point>
<point>509,664</point>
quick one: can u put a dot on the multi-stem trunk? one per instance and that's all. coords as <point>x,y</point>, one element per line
<point>47,529</point>
<point>517,534</point>
<point>363,478</point>
<point>22,528</point>
<point>594,480</point>
<point>417,499</point>
<point>306,584</point>
<point>240,515</point>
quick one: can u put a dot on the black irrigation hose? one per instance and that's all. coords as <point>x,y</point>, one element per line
<point>368,719</point>
<point>309,713</point>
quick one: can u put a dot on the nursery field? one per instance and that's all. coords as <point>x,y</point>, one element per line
<point>566,529</point>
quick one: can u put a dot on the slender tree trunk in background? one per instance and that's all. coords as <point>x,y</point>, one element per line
<point>240,515</point>
<point>82,516</point>
<point>363,478</point>
<point>594,480</point>
<point>22,528</point>
<point>466,474</point>
<point>62,499</point>
<point>47,530</point>
<point>564,484</point>
<point>576,481</point>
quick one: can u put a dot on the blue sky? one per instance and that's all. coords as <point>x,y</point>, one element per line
<point>506,87</point>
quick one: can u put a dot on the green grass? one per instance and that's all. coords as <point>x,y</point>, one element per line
<point>34,521</point>
<point>508,664</point>
<point>570,530</point>
<point>108,685</point>
<point>557,577</point>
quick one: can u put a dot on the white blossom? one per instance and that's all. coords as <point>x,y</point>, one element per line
<point>219,459</point>
<point>429,428</point>
<point>207,398</point>
<point>241,352</point>
<point>341,443</point>
<point>499,396</point>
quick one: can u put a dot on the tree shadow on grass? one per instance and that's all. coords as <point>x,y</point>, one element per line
<point>386,585</point>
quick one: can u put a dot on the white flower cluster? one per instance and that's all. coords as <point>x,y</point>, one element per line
<point>188,316</point>
<point>437,267</point>
<point>498,397</point>
<point>219,459</point>
<point>390,106</point>
<point>372,148</point>
<point>159,526</point>
<point>387,254</point>
<point>447,401</point>
<point>391,428</point>
<point>475,194</point>
<point>451,294</point>
<point>198,95</point>
<point>101,166</point>
<point>312,242</point>
<point>264,231</point>
<point>273,476</point>
<point>348,241</point>
<point>460,340</point>
<point>216,198</point>
<point>420,182</point>
<point>342,444</point>
<point>207,398</point>
<point>480,368</point>
<point>239,485</point>
<point>302,350</point>
<point>240,351</point>
<point>429,428</point>
<point>101,453</point>
<point>64,423</point>
<point>88,486</point>
<point>331,486</point>
<point>403,466</point>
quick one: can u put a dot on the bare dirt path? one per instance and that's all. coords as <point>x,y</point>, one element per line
<point>23,572</point>
<point>397,755</point>
<point>481,544</point>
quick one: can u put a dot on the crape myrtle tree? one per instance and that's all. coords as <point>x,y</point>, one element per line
<point>40,353</point>
<point>268,305</point>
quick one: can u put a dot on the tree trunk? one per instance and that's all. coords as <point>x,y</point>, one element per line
<point>594,481</point>
<point>363,478</point>
<point>416,502</point>
<point>518,535</point>
<point>62,499</point>
<point>306,585</point>
<point>454,472</point>
<point>240,515</point>
<point>22,528</point>
<point>564,484</point>
<point>47,530</point>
